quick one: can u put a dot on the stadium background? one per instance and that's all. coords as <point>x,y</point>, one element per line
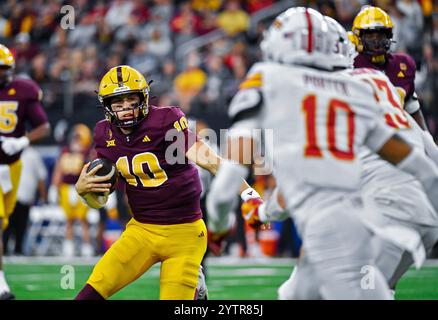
<point>196,52</point>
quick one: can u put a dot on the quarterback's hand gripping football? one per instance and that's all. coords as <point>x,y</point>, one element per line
<point>88,181</point>
<point>11,145</point>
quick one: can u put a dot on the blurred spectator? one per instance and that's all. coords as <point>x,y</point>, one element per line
<point>33,182</point>
<point>217,74</point>
<point>233,19</point>
<point>163,9</point>
<point>140,11</point>
<point>164,82</point>
<point>24,51</point>
<point>411,28</point>
<point>130,32</point>
<point>256,5</point>
<point>206,5</point>
<point>346,11</point>
<point>83,33</point>
<point>190,82</point>
<point>119,13</point>
<point>142,60</point>
<point>159,44</point>
<point>20,18</point>
<point>208,22</point>
<point>185,19</point>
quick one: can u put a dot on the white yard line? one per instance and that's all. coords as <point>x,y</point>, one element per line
<point>214,261</point>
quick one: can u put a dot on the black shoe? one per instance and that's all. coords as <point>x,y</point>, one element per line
<point>7,296</point>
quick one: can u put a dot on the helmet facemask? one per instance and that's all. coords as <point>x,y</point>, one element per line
<point>6,75</point>
<point>376,43</point>
<point>113,115</point>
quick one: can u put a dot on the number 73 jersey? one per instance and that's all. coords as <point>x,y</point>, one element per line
<point>318,120</point>
<point>161,185</point>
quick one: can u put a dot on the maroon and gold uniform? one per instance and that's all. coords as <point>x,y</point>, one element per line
<point>70,164</point>
<point>164,196</point>
<point>20,103</point>
<point>399,68</point>
<point>165,203</point>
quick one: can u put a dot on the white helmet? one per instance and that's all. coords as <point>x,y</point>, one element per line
<point>304,36</point>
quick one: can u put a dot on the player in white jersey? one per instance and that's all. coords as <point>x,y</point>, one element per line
<point>398,198</point>
<point>321,118</point>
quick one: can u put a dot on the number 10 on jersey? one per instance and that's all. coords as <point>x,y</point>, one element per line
<point>335,107</point>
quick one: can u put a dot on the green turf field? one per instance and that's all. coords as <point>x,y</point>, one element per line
<point>238,279</point>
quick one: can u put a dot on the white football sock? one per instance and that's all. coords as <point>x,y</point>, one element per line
<point>68,248</point>
<point>3,285</point>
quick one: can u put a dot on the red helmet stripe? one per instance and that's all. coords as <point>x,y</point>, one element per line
<point>310,33</point>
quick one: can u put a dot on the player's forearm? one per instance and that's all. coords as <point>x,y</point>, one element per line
<point>57,175</point>
<point>39,133</point>
<point>204,157</point>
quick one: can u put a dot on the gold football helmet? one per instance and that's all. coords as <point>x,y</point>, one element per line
<point>372,33</point>
<point>7,65</point>
<point>123,80</point>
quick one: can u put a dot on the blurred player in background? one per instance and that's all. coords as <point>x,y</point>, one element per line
<point>62,190</point>
<point>20,104</point>
<point>315,148</point>
<point>151,147</point>
<point>32,182</point>
<point>372,34</point>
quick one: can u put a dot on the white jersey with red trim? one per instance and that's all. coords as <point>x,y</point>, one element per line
<point>398,194</point>
<point>319,120</point>
<point>377,172</point>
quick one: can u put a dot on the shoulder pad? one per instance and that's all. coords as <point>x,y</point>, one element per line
<point>244,101</point>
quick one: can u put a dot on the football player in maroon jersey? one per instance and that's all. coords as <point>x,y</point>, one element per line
<point>20,103</point>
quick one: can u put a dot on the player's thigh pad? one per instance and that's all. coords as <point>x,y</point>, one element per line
<point>126,260</point>
<point>182,251</point>
<point>10,198</point>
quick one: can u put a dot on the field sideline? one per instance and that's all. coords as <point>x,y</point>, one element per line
<point>227,279</point>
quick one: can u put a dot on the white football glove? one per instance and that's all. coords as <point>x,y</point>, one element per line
<point>11,145</point>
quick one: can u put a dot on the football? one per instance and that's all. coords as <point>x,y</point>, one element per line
<point>107,167</point>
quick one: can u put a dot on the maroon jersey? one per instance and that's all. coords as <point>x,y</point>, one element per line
<point>20,102</point>
<point>399,68</point>
<point>159,191</point>
<point>71,164</point>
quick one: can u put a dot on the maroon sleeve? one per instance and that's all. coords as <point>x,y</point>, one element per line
<point>176,124</point>
<point>34,110</point>
<point>98,138</point>
<point>410,74</point>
